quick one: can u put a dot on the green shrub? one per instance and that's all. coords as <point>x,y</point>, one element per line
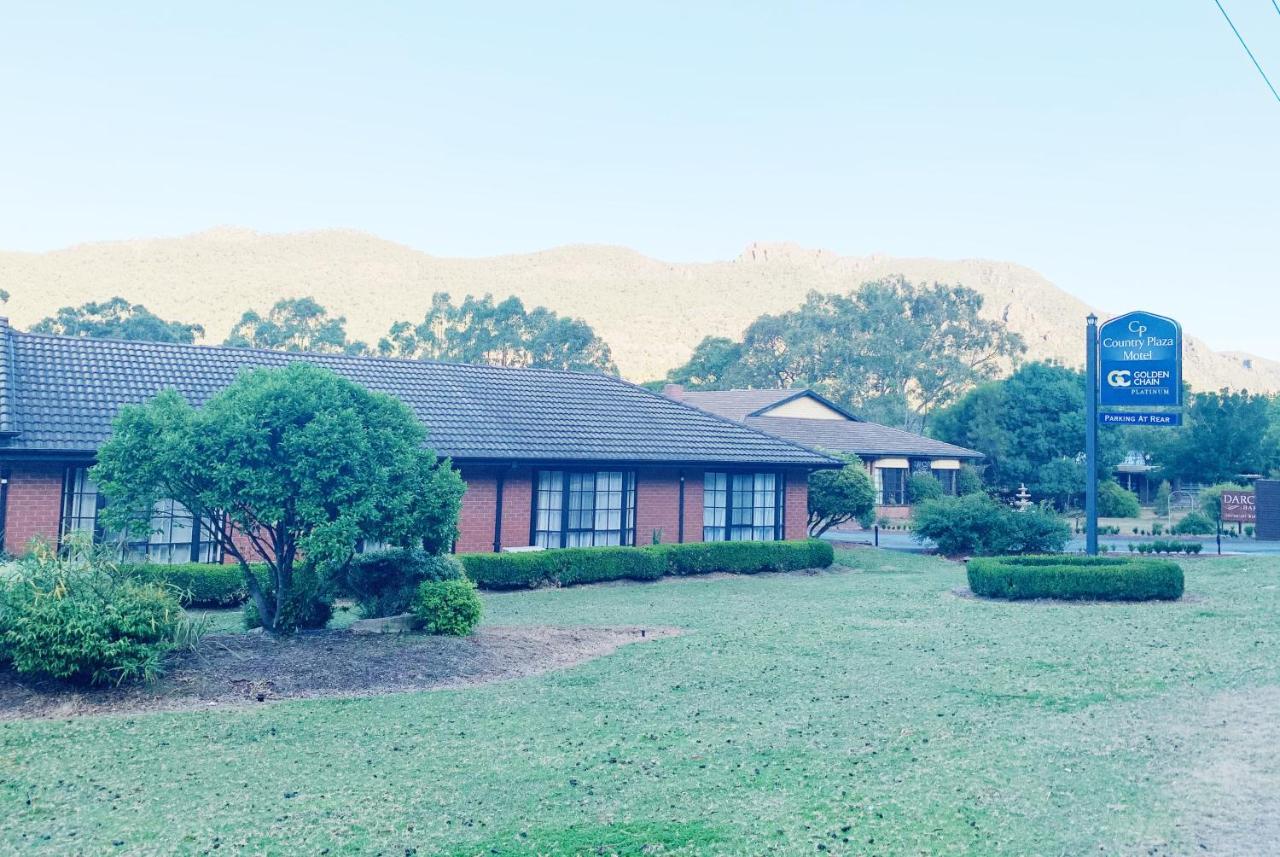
<point>968,480</point>
<point>922,487</point>
<point>200,584</point>
<point>1114,501</point>
<point>384,583</point>
<point>520,570</point>
<point>569,566</point>
<point>85,621</point>
<point>1196,523</point>
<point>593,565</point>
<point>977,525</point>
<point>1163,493</point>
<point>308,606</point>
<point>449,607</point>
<point>1075,578</point>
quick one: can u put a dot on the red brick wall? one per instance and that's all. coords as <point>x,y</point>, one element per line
<point>658,505</point>
<point>34,507</point>
<point>480,506</point>
<point>797,505</point>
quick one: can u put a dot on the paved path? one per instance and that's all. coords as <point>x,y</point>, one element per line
<point>900,541</point>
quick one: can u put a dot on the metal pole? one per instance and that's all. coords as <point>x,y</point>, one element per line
<point>1091,435</point>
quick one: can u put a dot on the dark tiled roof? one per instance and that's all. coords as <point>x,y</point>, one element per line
<point>862,438</point>
<point>6,380</point>
<point>67,390</point>
<point>734,404</point>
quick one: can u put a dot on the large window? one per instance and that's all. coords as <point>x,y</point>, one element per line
<point>891,485</point>
<point>584,508</point>
<point>741,507</point>
<point>173,535</point>
<point>948,480</point>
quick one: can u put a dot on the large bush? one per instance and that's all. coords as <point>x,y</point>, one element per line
<point>977,525</point>
<point>449,607</point>
<point>592,565</point>
<point>200,584</point>
<point>838,496</point>
<point>922,487</point>
<point>1114,501</point>
<point>1076,578</point>
<point>384,583</point>
<point>83,620</point>
<point>1196,523</point>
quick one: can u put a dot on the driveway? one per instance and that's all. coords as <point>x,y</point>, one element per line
<point>900,541</point>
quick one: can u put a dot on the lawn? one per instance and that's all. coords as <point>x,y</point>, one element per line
<point>848,712</point>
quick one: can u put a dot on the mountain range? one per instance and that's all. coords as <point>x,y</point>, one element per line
<point>651,312</point>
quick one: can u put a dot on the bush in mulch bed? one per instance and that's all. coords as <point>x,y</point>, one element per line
<point>1091,578</point>
<point>569,566</point>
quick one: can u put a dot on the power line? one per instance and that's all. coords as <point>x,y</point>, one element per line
<point>1277,5</point>
<point>1246,47</point>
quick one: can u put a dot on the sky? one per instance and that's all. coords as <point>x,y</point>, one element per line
<point>1128,151</point>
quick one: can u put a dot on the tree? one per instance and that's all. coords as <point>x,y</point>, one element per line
<point>294,324</point>
<point>838,496</point>
<point>890,349</point>
<point>1163,494</point>
<point>1026,425</point>
<point>1226,434</point>
<point>116,319</point>
<point>922,487</point>
<point>296,461</point>
<point>1116,501</point>
<point>712,367</point>
<point>499,334</point>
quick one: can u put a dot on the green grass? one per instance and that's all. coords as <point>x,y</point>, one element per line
<point>866,711</point>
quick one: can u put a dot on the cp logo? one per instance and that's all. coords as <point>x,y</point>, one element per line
<point>1118,377</point>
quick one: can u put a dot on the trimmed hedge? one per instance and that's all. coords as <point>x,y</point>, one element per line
<point>569,566</point>
<point>201,584</point>
<point>1092,578</point>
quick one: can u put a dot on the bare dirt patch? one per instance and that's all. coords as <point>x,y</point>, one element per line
<point>251,669</point>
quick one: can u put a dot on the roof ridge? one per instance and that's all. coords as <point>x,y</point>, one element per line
<point>328,355</point>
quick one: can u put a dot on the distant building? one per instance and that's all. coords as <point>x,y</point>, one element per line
<point>806,417</point>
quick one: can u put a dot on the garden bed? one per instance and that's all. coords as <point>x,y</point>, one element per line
<point>250,669</point>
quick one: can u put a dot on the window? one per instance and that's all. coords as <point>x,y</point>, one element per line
<point>584,508</point>
<point>891,485</point>
<point>948,480</point>
<point>173,536</point>
<point>741,507</point>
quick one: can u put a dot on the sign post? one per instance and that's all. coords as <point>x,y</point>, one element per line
<point>1131,361</point>
<point>1091,436</point>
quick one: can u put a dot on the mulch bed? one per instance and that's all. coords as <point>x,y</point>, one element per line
<point>252,669</point>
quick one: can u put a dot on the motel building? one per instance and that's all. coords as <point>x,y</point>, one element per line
<point>890,455</point>
<point>550,459</point>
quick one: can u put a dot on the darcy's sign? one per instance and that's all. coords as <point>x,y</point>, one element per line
<point>1140,360</point>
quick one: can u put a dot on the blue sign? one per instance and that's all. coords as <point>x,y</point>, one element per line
<point>1173,419</point>
<point>1140,361</point>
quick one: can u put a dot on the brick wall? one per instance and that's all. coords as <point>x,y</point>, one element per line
<point>797,503</point>
<point>480,506</point>
<point>658,505</point>
<point>693,481</point>
<point>34,504</point>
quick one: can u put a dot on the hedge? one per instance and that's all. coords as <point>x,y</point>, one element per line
<point>568,566</point>
<point>1076,578</point>
<point>201,584</point>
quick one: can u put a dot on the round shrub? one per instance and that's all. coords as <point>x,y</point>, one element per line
<point>450,607</point>
<point>1114,501</point>
<point>84,621</point>
<point>922,487</point>
<point>1196,523</point>
<point>1092,578</point>
<point>384,583</point>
